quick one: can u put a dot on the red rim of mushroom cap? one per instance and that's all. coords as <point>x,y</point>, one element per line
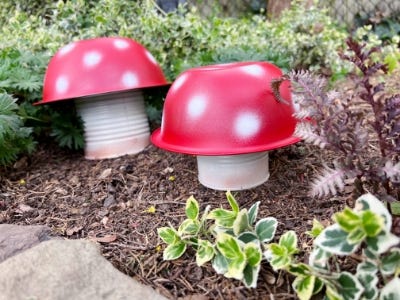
<point>99,66</point>
<point>226,109</point>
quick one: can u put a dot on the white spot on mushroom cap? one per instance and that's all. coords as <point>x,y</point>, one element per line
<point>121,44</point>
<point>92,58</point>
<point>197,106</point>
<point>254,70</point>
<point>66,49</point>
<point>179,82</point>
<point>62,84</point>
<point>130,79</point>
<point>151,57</point>
<point>247,124</point>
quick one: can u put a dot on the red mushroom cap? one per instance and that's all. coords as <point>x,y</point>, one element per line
<point>226,109</point>
<point>97,66</point>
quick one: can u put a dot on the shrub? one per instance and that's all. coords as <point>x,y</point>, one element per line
<point>331,120</point>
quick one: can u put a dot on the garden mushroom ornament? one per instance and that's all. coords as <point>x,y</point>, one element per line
<point>228,116</point>
<point>105,77</point>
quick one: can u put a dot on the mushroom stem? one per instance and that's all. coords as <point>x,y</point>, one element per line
<point>115,124</point>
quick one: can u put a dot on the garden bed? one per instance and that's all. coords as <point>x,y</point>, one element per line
<point>121,202</point>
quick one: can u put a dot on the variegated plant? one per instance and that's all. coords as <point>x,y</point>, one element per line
<point>364,230</point>
<point>234,242</point>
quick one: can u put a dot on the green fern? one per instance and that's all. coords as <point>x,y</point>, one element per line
<point>14,138</point>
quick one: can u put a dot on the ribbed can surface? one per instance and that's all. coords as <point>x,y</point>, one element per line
<point>115,124</point>
<point>233,172</point>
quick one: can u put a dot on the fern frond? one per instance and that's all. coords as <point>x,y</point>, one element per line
<point>305,131</point>
<point>328,182</point>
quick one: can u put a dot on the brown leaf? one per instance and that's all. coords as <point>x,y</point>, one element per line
<point>73,230</point>
<point>106,173</point>
<point>109,238</point>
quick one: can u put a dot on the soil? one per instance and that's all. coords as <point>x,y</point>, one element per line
<point>110,201</point>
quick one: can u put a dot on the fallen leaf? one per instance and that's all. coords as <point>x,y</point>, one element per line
<point>23,208</point>
<point>167,171</point>
<point>106,173</point>
<point>105,239</point>
<point>73,230</point>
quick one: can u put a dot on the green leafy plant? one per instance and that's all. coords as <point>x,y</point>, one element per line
<point>234,243</point>
<point>363,235</point>
<point>331,120</point>
<point>14,137</point>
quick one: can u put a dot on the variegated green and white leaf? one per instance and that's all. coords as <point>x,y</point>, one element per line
<point>222,217</point>
<point>253,212</point>
<point>299,270</point>
<point>205,252</point>
<point>304,286</point>
<point>192,208</point>
<point>383,242</point>
<point>390,264</point>
<point>334,240</point>
<point>289,241</point>
<point>369,281</point>
<point>316,229</point>
<point>253,254</point>
<point>174,251</point>
<point>368,201</point>
<point>232,202</point>
<point>391,291</point>
<point>248,237</point>
<point>277,256</point>
<point>168,234</point>
<point>366,267</point>
<point>250,276</point>
<point>266,228</point>
<point>319,258</point>
<point>349,286</point>
<point>189,227</point>
<point>220,263</point>
<point>241,223</point>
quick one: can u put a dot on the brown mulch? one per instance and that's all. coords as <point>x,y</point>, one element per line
<point>109,201</point>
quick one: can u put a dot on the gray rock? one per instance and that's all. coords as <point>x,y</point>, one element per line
<point>67,269</point>
<point>15,239</point>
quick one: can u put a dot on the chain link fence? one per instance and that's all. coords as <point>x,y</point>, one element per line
<point>344,11</point>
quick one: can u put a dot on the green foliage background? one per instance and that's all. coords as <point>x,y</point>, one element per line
<point>32,31</point>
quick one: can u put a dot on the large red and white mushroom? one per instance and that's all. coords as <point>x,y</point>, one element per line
<point>105,77</point>
<point>228,116</point>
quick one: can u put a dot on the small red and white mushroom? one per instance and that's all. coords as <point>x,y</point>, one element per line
<point>227,115</point>
<point>105,77</point>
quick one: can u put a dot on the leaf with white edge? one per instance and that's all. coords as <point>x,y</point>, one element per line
<point>253,254</point>
<point>247,237</point>
<point>168,235</point>
<point>222,217</point>
<point>319,258</point>
<point>382,242</point>
<point>304,286</point>
<point>369,281</point>
<point>372,223</point>
<point>250,276</point>
<point>347,219</point>
<point>192,208</point>
<point>277,256</point>
<point>205,252</point>
<point>368,201</point>
<point>253,212</point>
<point>299,269</point>
<point>229,247</point>
<point>349,286</point>
<point>266,228</point>
<point>318,285</point>
<point>316,229</point>
<point>232,201</point>
<point>174,251</point>
<point>189,227</point>
<point>356,236</point>
<point>220,263</point>
<point>289,241</point>
<point>334,240</point>
<point>366,267</point>
<point>390,264</point>
<point>241,223</point>
<point>391,291</point>
<point>370,254</point>
<point>332,293</point>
